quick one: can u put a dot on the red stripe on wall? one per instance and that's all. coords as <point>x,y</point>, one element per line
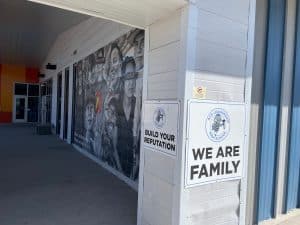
<point>5,117</point>
<point>0,86</point>
<point>32,75</point>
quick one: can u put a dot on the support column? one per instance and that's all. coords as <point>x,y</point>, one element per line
<point>164,83</point>
<point>202,53</point>
<point>285,106</point>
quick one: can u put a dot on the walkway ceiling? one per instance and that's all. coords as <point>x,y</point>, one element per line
<point>138,13</point>
<point>27,30</point>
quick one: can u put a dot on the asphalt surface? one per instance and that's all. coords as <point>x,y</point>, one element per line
<point>44,181</point>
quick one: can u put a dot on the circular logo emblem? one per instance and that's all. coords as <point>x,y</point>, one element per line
<point>159,117</point>
<point>217,125</point>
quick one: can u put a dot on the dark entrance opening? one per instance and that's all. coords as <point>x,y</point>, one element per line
<point>74,100</point>
<point>33,103</point>
<point>58,108</point>
<point>66,104</point>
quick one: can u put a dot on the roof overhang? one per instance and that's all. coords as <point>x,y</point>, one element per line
<point>137,13</point>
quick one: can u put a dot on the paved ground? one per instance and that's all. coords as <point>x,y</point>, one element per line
<point>43,181</point>
<point>292,218</point>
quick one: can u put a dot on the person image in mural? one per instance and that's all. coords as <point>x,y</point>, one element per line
<point>127,137</point>
<point>110,136</point>
<point>115,73</point>
<point>108,103</point>
<point>89,120</point>
<point>138,43</point>
<point>98,69</point>
<point>79,95</point>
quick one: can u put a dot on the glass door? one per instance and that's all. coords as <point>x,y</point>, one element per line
<point>33,103</point>
<point>58,107</point>
<point>33,109</point>
<point>20,109</point>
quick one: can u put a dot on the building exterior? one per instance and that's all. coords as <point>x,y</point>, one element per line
<point>9,75</point>
<point>193,103</point>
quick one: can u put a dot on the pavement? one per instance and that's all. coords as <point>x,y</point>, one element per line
<point>292,218</point>
<point>44,181</point>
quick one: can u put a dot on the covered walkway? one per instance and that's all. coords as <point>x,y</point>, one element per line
<point>44,181</point>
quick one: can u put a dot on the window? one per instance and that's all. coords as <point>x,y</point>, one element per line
<point>20,89</point>
<point>33,90</point>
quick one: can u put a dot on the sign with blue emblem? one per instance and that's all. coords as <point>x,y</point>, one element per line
<point>161,126</point>
<point>215,146</point>
<point>217,125</point>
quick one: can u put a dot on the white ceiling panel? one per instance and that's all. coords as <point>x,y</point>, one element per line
<point>28,30</point>
<point>138,13</point>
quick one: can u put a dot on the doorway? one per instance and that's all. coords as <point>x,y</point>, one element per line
<point>66,104</point>
<point>58,108</point>
<point>20,106</point>
<point>25,103</point>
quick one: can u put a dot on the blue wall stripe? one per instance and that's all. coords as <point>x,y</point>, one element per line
<point>292,200</point>
<point>272,90</point>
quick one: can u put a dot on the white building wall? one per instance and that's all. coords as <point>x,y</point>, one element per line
<point>205,44</point>
<point>217,57</point>
<point>164,56</point>
<point>218,61</point>
<point>158,190</point>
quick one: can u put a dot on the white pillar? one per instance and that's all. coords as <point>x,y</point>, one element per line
<point>207,45</point>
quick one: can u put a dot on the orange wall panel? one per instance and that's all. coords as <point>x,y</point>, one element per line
<point>9,75</point>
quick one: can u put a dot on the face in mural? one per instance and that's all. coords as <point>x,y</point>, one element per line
<point>115,62</point>
<point>129,88</point>
<point>97,72</point>
<point>92,77</point>
<point>114,69</point>
<point>89,116</point>
<point>89,63</point>
<point>139,51</point>
<point>98,65</point>
<point>129,77</point>
<point>110,113</point>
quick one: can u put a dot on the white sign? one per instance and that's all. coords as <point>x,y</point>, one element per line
<point>161,126</point>
<point>215,150</point>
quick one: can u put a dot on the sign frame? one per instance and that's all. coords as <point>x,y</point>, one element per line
<point>160,102</point>
<point>187,145</point>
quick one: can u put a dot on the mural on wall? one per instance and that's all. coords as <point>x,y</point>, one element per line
<point>108,103</point>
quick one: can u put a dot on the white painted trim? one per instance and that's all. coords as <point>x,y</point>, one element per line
<point>142,147</point>
<point>185,80</point>
<point>285,106</point>
<point>256,108</point>
<point>70,106</point>
<point>62,104</point>
<point>248,94</point>
<point>14,120</point>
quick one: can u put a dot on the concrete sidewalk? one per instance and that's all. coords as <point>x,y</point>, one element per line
<point>44,181</point>
<point>292,218</point>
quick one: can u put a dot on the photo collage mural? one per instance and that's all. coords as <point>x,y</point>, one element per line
<point>108,103</point>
